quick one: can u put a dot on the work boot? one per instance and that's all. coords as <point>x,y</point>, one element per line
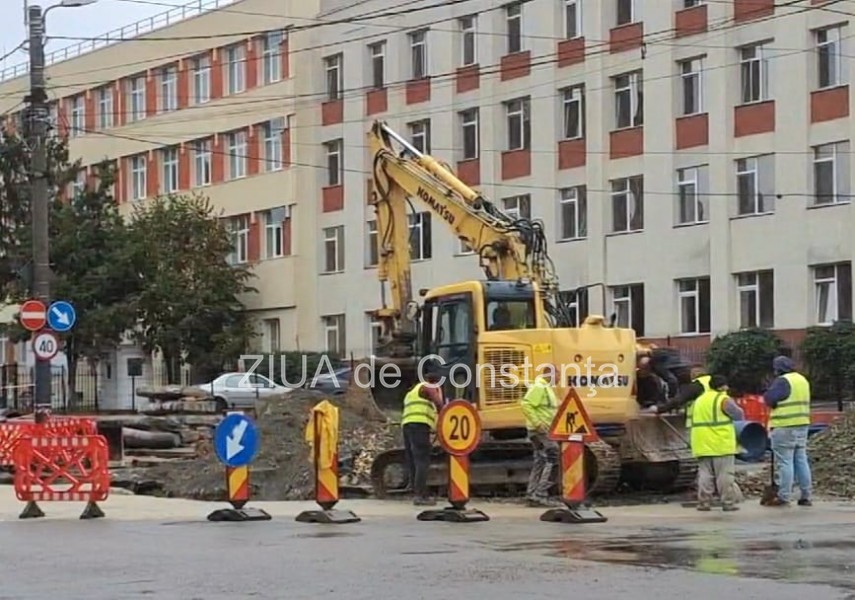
<point>538,502</point>
<point>777,502</point>
<point>704,506</point>
<point>805,502</point>
<point>424,502</point>
<point>729,508</point>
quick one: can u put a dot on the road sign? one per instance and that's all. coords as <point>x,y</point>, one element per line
<point>45,345</point>
<point>572,420</point>
<point>236,440</point>
<point>61,316</point>
<point>459,428</point>
<point>33,315</point>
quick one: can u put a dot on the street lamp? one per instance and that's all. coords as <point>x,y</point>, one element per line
<point>39,209</point>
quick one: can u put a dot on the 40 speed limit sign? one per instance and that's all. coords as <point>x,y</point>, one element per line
<point>45,345</point>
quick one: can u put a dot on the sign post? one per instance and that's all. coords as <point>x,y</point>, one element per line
<point>323,426</point>
<point>236,444</point>
<point>459,428</point>
<point>572,428</point>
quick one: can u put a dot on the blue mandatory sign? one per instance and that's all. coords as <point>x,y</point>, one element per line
<point>236,440</point>
<point>61,316</point>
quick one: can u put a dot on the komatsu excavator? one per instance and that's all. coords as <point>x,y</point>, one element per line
<point>501,328</point>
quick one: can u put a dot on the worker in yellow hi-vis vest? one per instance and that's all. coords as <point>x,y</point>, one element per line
<point>421,410</point>
<point>789,398</point>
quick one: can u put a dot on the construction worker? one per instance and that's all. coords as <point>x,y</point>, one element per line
<point>789,398</point>
<point>713,440</point>
<point>688,393</point>
<point>539,406</point>
<point>418,421</point>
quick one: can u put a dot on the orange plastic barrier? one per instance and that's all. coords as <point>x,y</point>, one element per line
<point>755,409</point>
<point>12,431</point>
<point>64,468</point>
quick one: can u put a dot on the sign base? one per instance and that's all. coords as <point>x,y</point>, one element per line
<point>327,516</point>
<point>239,514</point>
<point>92,511</point>
<point>577,514</point>
<point>453,515</point>
<point>31,511</point>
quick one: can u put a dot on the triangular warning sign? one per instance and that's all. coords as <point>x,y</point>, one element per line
<point>572,419</point>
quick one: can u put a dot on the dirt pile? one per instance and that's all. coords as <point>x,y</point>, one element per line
<point>281,470</point>
<point>832,457</point>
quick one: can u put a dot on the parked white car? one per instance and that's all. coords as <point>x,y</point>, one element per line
<point>241,390</point>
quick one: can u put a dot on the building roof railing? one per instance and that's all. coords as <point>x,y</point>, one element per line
<point>128,32</point>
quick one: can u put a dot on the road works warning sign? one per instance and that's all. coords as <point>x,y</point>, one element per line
<point>571,419</point>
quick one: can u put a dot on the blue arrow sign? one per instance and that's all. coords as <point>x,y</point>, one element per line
<point>236,440</point>
<point>61,316</point>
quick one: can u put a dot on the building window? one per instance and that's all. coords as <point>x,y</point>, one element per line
<point>573,213</point>
<point>420,135</point>
<point>201,79</point>
<point>271,57</point>
<point>694,296</point>
<point>572,19</point>
<point>625,12</point>
<point>377,53</point>
<point>755,182</point>
<point>239,228</point>
<point>335,76</point>
<point>471,133</point>
<point>271,335</point>
<point>78,186</point>
<point>375,329</point>
<point>418,54</point>
<point>420,236</point>
<point>335,168</point>
<point>202,162</point>
<point>169,170</point>
<point>691,78</point>
<point>105,107</point>
<point>513,24</point>
<point>574,112</point>
<point>273,242</point>
<point>692,198</point>
<point>372,251</point>
<point>517,207</point>
<point>236,144</point>
<point>519,124</point>
<point>756,293</point>
<point>334,342</point>
<point>334,249</point>
<point>829,57</point>
<point>628,204</point>
<point>138,177</point>
<point>629,109</point>
<point>168,89</point>
<point>136,99</point>
<point>831,173</point>
<point>469,40</point>
<point>833,285</point>
<point>272,134</point>
<point>628,306</point>
<point>754,69</point>
<point>235,68</point>
<point>576,302</point>
<point>78,116</point>
<point>692,3</point>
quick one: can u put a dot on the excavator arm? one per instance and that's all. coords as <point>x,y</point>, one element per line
<point>509,248</point>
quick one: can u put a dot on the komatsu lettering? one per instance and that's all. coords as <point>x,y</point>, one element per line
<point>598,381</point>
<point>436,205</point>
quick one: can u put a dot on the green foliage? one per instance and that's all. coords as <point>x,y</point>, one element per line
<point>829,355</point>
<point>288,367</point>
<point>189,303</point>
<point>745,358</point>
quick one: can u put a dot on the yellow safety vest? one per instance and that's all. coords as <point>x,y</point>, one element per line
<point>418,409</point>
<point>713,432</point>
<point>704,380</point>
<point>794,411</point>
<point>539,404</point>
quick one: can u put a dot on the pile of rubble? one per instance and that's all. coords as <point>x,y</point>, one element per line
<point>832,457</point>
<point>176,399</point>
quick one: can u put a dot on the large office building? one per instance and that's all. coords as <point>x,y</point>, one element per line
<point>690,160</point>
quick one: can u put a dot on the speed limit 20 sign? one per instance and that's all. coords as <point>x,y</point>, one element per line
<point>459,428</point>
<point>45,345</point>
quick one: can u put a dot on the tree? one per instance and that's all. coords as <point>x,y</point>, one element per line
<point>189,305</point>
<point>829,355</point>
<point>745,358</point>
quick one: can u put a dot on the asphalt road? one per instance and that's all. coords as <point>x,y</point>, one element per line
<point>794,555</point>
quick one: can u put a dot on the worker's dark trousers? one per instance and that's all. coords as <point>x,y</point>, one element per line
<point>417,450</point>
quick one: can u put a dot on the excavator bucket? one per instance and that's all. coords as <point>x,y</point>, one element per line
<point>656,453</point>
<point>358,396</point>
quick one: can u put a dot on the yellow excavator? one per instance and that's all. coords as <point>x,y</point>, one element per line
<point>501,328</point>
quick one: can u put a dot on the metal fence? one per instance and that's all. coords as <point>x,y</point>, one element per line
<point>17,386</point>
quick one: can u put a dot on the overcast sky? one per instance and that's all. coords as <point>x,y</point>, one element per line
<point>86,21</point>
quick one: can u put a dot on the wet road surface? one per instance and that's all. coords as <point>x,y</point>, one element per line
<point>794,554</point>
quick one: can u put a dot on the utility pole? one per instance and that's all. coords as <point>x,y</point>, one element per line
<point>38,118</point>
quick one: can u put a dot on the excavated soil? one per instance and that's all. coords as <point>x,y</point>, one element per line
<point>281,470</point>
<point>832,458</point>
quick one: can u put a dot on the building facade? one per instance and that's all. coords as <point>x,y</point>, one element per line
<point>690,160</point>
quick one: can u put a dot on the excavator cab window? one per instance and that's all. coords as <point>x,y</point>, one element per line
<point>504,315</point>
<point>449,334</point>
